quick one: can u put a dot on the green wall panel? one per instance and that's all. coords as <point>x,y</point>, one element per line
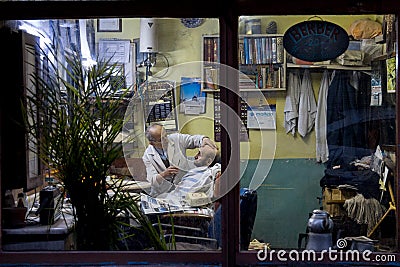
<point>285,198</point>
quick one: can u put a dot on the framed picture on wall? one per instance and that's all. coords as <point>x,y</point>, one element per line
<point>109,25</point>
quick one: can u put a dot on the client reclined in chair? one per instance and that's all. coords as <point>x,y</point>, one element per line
<point>197,180</point>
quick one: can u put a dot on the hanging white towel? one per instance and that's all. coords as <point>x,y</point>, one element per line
<point>322,152</point>
<point>292,102</point>
<point>307,105</point>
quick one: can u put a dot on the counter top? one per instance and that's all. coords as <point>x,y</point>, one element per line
<point>62,226</point>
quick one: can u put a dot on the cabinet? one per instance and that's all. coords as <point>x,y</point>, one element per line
<point>262,62</point>
<point>58,236</point>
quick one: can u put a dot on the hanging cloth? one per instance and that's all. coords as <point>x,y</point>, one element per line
<point>292,102</point>
<point>344,134</point>
<point>307,105</point>
<point>322,152</point>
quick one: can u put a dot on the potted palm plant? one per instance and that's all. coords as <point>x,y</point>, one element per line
<point>75,115</point>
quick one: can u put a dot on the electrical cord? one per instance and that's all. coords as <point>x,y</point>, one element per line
<point>165,71</point>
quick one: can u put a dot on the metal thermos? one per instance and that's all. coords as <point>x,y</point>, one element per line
<point>320,227</point>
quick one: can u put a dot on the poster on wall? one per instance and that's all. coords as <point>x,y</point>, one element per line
<point>192,99</point>
<point>391,75</point>
<point>376,84</point>
<point>261,117</point>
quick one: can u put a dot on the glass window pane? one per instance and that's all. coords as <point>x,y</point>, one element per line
<point>310,122</point>
<point>103,82</point>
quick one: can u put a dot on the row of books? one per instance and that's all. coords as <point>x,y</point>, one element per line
<point>252,50</point>
<point>261,50</point>
<point>268,76</point>
<point>210,49</point>
<point>265,77</point>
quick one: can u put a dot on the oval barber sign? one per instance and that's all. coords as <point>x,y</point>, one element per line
<point>315,40</point>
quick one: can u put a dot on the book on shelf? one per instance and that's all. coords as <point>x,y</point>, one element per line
<point>250,52</point>
<point>210,49</point>
<point>241,52</point>
<point>246,51</point>
<point>279,50</point>
<point>273,50</point>
<point>211,78</point>
<point>261,50</point>
<point>215,50</point>
<point>263,77</point>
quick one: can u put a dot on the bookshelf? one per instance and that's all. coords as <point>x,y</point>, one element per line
<point>262,63</point>
<point>329,67</point>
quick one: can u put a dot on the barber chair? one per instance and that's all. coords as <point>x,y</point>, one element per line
<point>190,228</point>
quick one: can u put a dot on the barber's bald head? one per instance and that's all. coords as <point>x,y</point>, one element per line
<point>157,135</point>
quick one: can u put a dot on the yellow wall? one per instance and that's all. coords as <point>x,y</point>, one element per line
<point>288,146</point>
<point>181,45</point>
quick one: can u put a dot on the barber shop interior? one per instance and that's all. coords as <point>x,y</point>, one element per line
<point>239,138</point>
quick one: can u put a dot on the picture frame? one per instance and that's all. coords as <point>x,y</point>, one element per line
<point>109,25</point>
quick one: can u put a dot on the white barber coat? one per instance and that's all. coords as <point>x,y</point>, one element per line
<point>176,153</point>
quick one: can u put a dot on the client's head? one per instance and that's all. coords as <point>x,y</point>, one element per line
<point>205,156</point>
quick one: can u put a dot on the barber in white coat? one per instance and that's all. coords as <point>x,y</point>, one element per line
<point>165,157</point>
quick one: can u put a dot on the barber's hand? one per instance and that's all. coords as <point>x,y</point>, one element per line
<point>170,172</point>
<point>208,142</point>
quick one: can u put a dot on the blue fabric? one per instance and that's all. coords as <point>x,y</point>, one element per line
<point>344,131</point>
<point>366,181</point>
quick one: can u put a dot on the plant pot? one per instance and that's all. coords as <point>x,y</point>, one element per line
<point>14,217</point>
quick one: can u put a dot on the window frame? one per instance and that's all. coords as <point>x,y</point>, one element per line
<point>228,13</point>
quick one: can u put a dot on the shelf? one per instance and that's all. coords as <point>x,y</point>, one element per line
<point>262,89</point>
<point>249,90</point>
<point>329,67</point>
<point>262,58</point>
<point>384,57</point>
